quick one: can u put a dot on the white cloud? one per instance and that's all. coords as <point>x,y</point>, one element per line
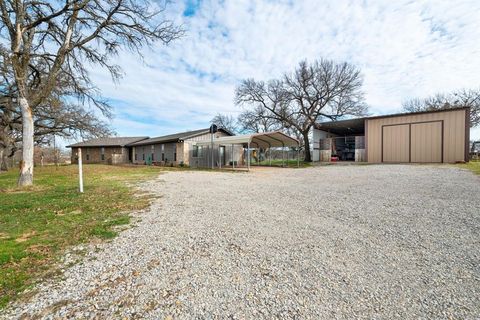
<point>404,48</point>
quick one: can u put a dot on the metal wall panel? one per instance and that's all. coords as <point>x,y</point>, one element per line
<point>426,142</point>
<point>395,143</point>
<point>455,127</point>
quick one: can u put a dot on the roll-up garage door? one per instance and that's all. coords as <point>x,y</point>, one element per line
<point>395,143</point>
<point>426,142</point>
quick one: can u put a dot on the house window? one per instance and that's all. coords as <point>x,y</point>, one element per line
<point>152,156</point>
<point>163,156</point>
<point>143,156</point>
<point>174,156</point>
<point>163,147</point>
<point>88,157</point>
<point>102,153</point>
<point>195,151</point>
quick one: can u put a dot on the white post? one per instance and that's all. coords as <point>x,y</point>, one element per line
<point>80,169</point>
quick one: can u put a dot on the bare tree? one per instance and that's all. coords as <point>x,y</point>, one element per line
<point>456,99</point>
<point>225,121</point>
<point>52,43</point>
<point>57,115</point>
<point>323,89</point>
<point>67,121</point>
<point>256,120</point>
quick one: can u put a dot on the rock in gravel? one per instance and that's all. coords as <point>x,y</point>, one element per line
<point>334,242</point>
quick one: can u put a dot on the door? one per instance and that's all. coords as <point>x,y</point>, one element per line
<point>222,155</point>
<point>396,143</point>
<point>426,142</point>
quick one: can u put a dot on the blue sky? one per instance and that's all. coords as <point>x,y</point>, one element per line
<point>404,48</point>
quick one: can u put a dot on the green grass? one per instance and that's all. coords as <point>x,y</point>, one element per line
<point>473,166</point>
<point>39,222</point>
<point>278,163</point>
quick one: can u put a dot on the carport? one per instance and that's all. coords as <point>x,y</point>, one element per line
<point>263,140</point>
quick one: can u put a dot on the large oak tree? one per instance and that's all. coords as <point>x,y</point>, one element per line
<point>51,44</point>
<point>322,89</point>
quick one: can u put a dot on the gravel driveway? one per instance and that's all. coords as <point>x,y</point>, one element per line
<point>330,242</point>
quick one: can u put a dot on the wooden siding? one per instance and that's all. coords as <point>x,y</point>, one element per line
<point>204,161</point>
<point>453,136</point>
<point>145,152</point>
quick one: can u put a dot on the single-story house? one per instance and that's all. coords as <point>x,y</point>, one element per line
<point>192,148</point>
<point>111,150</point>
<point>421,137</point>
<point>174,149</point>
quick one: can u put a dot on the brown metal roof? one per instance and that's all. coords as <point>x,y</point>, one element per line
<point>175,137</point>
<point>348,126</point>
<point>417,112</point>
<point>107,142</point>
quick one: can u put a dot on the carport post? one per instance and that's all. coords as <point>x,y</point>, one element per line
<point>248,156</point>
<point>288,154</point>
<point>283,154</point>
<point>233,157</point>
<point>270,155</point>
<point>298,156</point>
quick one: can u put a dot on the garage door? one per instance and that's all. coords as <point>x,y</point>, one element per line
<point>426,142</point>
<point>395,143</point>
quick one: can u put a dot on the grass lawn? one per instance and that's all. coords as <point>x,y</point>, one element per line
<point>37,223</point>
<point>278,163</point>
<point>474,166</point>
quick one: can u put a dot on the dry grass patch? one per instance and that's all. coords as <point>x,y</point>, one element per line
<point>39,222</point>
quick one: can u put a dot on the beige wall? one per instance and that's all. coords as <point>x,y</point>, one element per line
<point>187,153</point>
<point>420,142</point>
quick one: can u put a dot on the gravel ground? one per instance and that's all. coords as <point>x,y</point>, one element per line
<point>329,242</point>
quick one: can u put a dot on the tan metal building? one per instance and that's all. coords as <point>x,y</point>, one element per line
<point>421,137</point>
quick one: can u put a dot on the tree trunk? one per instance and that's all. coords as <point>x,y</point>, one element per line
<point>306,141</point>
<point>26,165</point>
<point>3,160</point>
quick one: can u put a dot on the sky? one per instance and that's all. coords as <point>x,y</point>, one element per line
<point>405,49</point>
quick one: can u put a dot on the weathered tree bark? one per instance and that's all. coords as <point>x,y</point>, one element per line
<point>306,141</point>
<point>26,165</point>
<point>3,163</point>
